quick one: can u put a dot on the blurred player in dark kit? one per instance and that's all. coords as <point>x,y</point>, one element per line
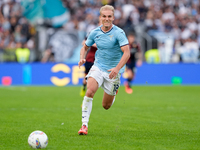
<point>134,61</point>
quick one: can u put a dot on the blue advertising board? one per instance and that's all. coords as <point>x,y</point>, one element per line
<point>62,74</point>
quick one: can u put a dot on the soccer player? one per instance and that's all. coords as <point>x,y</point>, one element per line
<point>134,60</point>
<point>110,59</point>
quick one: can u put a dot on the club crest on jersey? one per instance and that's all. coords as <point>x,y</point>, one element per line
<point>111,36</point>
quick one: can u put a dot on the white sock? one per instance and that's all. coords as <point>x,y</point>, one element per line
<point>113,100</point>
<point>86,110</point>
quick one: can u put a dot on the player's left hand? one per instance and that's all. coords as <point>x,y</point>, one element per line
<point>113,73</point>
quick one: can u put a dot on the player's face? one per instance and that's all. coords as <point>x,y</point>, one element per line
<point>131,39</point>
<point>107,18</point>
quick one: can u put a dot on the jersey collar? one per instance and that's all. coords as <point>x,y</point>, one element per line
<point>106,31</point>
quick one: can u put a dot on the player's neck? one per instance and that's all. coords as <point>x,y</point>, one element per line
<point>106,29</point>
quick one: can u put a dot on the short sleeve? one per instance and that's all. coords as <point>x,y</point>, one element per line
<point>90,39</point>
<point>122,38</point>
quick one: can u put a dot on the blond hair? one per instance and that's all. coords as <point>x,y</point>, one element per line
<point>107,7</point>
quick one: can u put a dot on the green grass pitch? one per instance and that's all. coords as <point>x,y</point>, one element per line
<point>152,118</point>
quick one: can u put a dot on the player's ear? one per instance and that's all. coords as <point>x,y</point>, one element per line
<point>99,21</point>
<point>113,17</point>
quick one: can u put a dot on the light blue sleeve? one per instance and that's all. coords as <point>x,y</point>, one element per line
<point>122,38</point>
<point>90,39</point>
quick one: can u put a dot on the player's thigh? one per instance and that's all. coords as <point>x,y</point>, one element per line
<point>94,81</point>
<point>107,99</point>
<point>92,87</point>
<point>129,72</point>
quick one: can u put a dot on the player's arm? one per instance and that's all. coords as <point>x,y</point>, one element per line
<point>126,55</point>
<point>83,52</point>
<point>89,42</point>
<point>94,45</point>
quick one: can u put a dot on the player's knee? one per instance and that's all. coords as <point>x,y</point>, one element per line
<point>90,93</point>
<point>106,107</point>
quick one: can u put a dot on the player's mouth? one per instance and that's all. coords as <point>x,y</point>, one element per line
<point>106,23</point>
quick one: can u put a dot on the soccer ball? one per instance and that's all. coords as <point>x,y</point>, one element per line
<point>38,140</point>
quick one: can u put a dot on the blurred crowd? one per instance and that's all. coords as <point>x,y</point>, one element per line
<point>15,33</point>
<point>178,18</point>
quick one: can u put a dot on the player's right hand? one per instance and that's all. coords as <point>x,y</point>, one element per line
<point>81,62</point>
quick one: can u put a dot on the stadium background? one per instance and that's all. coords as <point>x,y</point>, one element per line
<point>170,27</point>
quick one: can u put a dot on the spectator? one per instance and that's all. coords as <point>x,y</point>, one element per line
<point>48,56</point>
<point>152,56</point>
<point>22,53</point>
<point>190,50</point>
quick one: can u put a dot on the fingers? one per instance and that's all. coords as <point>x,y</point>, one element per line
<point>81,62</point>
<point>79,65</point>
<point>112,75</point>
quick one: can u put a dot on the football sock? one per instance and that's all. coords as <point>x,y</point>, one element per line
<point>113,100</point>
<point>86,110</point>
<point>129,82</point>
<point>84,86</point>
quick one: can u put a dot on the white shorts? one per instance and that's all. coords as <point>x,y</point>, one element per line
<point>110,86</point>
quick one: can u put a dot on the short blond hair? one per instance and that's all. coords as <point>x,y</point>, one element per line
<point>107,7</point>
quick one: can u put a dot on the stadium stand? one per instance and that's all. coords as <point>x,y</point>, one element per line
<point>173,27</point>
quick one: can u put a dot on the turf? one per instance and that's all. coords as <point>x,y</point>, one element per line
<point>152,118</point>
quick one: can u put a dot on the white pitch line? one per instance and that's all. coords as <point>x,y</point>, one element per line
<point>12,88</point>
